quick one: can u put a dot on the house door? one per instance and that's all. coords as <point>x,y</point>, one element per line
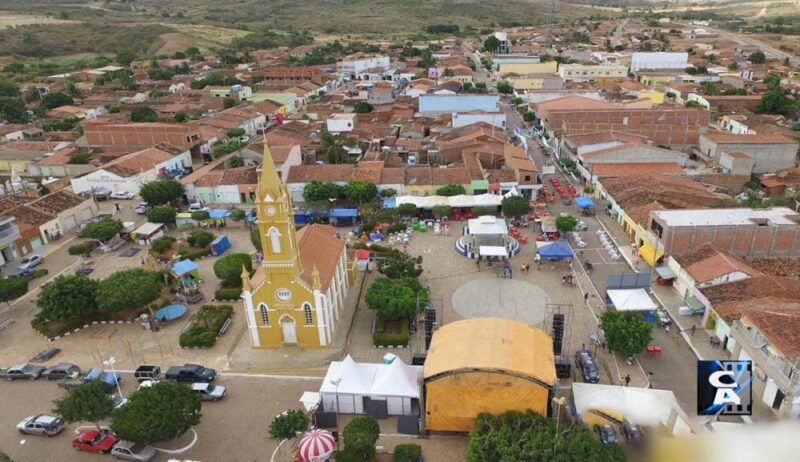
<point>289,330</point>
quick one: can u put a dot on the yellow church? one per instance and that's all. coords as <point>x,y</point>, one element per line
<point>296,295</point>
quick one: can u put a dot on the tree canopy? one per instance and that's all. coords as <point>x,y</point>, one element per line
<point>128,290</point>
<point>774,101</point>
<point>161,192</point>
<point>67,297</point>
<point>12,289</point>
<point>396,299</point>
<point>319,191</point>
<point>360,435</point>
<point>102,230</point>
<point>143,114</point>
<point>88,402</point>
<point>451,190</point>
<point>288,424</point>
<point>515,206</point>
<point>757,57</point>
<point>516,436</point>
<point>360,191</point>
<point>229,268</point>
<point>398,265</point>
<point>56,99</point>
<point>505,87</point>
<point>406,210</point>
<point>362,107</point>
<point>566,223</point>
<point>125,56</point>
<point>626,333</point>
<point>440,211</point>
<point>165,215</point>
<point>157,413</point>
<point>491,43</point>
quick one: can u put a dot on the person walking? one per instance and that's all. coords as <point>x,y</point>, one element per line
<point>627,380</point>
<point>694,327</point>
<point>585,297</point>
<point>117,208</point>
<point>666,328</point>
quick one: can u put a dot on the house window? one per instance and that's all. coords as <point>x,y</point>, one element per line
<point>307,314</point>
<point>275,240</point>
<point>264,315</point>
<point>527,178</point>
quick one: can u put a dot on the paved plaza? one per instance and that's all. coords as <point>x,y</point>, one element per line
<point>501,298</point>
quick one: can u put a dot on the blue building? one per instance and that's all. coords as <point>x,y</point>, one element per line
<point>459,103</point>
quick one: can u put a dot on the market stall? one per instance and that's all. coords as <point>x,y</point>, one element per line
<point>631,300</point>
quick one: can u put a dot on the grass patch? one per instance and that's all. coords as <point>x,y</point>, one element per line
<point>205,326</point>
<point>393,333</point>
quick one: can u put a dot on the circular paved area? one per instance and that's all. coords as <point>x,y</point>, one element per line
<point>501,298</point>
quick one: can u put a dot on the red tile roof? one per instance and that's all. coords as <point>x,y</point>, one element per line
<point>319,247</point>
<point>708,263</point>
<point>730,138</point>
<point>137,162</point>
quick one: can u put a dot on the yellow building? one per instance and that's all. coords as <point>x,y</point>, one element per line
<point>297,293</point>
<point>657,97</point>
<point>547,67</point>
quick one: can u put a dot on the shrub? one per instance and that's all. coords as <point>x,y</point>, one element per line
<point>41,272</point>
<point>227,293</point>
<point>207,323</point>
<point>77,249</point>
<point>193,253</point>
<point>199,238</point>
<point>395,228</point>
<point>381,338</point>
<point>200,215</point>
<point>238,215</point>
<point>197,336</point>
<point>229,268</point>
<point>407,453</point>
<point>162,244</point>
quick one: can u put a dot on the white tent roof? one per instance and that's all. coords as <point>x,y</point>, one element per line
<point>487,224</point>
<point>397,379</point>
<point>310,399</point>
<point>462,200</point>
<point>512,192</point>
<point>492,251</point>
<point>149,228</point>
<point>641,406</point>
<point>352,377</point>
<point>631,300</point>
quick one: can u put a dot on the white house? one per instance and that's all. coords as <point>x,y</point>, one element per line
<point>707,267</point>
<point>129,172</point>
<point>462,119</point>
<point>351,68</point>
<point>659,61</point>
<point>340,123</point>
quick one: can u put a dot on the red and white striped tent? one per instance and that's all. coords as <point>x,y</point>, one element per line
<point>316,446</point>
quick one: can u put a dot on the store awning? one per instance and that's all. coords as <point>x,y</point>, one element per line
<point>492,251</point>
<point>665,272</point>
<point>650,254</point>
<point>695,305</point>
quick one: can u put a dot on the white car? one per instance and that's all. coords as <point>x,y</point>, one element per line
<point>147,384</point>
<point>133,451</point>
<point>30,262</point>
<point>209,391</point>
<point>122,195</point>
<point>197,207</point>
<point>41,425</point>
<point>141,208</point>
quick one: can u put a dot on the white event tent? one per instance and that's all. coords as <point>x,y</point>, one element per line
<point>631,300</point>
<point>462,200</point>
<point>347,383</point>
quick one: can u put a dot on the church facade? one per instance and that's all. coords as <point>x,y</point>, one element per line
<point>296,295</point>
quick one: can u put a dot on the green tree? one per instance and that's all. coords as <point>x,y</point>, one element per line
<point>12,289</point>
<point>125,56</point>
<point>228,103</point>
<point>566,223</point>
<point>5,457</point>
<point>395,299</point>
<point>199,238</point>
<point>399,265</point>
<point>143,114</point>
<point>319,191</point>
<point>67,297</point>
<point>161,192</point>
<point>626,333</point>
<point>102,230</point>
<point>360,191</point>
<point>166,215</point>
<point>440,211</point>
<point>772,80</point>
<point>13,109</point>
<point>235,132</point>
<point>287,424</point>
<point>757,58</point>
<point>406,210</point>
<point>56,99</point>
<point>451,190</point>
<point>180,117</point>
<point>9,89</point>
<point>157,413</point>
<point>505,87</point>
<point>515,206</point>
<point>362,107</point>
<point>113,108</point>
<point>80,158</point>
<point>491,44</point>
<point>128,290</point>
<point>201,215</point>
<point>229,268</point>
<point>388,192</point>
<point>693,104</point>
<point>255,239</point>
<point>773,101</point>
<point>360,435</point>
<point>89,402</point>
<point>238,215</point>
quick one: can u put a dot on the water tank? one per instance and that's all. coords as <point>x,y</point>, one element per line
<point>412,160</point>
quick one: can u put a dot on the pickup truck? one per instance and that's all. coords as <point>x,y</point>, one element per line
<point>145,372</point>
<point>190,373</point>
<point>22,371</point>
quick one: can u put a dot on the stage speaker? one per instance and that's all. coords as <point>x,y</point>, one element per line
<point>563,368</point>
<point>558,333</point>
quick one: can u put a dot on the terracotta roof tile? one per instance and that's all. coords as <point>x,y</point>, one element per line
<point>327,172</point>
<point>319,248</point>
<point>707,263</point>
<point>637,168</point>
<point>137,162</point>
<point>780,324</point>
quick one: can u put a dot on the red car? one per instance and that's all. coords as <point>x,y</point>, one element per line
<point>101,441</point>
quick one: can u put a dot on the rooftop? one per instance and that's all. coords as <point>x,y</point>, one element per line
<point>730,138</point>
<point>730,217</point>
<point>708,263</point>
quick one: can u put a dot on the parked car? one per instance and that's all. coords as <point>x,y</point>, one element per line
<point>122,195</point>
<point>209,391</point>
<point>118,401</point>
<point>607,434</point>
<point>22,371</point>
<point>147,384</point>
<point>30,262</point>
<point>62,371</point>
<point>146,372</point>
<point>45,355</point>
<point>41,424</point>
<point>587,365</point>
<point>197,207</point>
<point>133,451</point>
<point>22,273</point>
<point>109,378</point>
<point>141,208</point>
<point>190,373</point>
<point>633,433</point>
<point>100,441</point>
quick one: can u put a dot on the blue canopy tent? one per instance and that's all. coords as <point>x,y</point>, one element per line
<point>343,217</point>
<point>184,267</point>
<point>584,202</point>
<point>558,250</point>
<point>390,203</point>
<point>217,214</point>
